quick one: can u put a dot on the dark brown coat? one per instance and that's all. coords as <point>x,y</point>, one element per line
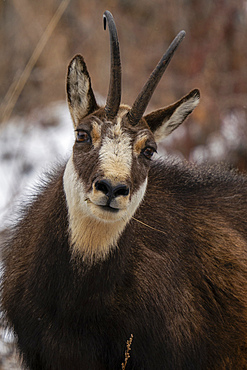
<point>181,289</point>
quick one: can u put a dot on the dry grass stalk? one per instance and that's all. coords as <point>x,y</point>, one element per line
<point>16,88</point>
<point>127,352</point>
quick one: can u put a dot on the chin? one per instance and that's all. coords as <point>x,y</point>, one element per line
<point>107,214</point>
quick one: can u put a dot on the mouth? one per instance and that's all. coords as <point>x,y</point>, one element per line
<point>109,209</point>
<point>105,211</point>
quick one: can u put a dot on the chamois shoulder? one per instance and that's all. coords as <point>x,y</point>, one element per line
<point>182,176</point>
<point>184,192</point>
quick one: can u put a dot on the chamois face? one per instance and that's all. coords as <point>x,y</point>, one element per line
<point>111,161</point>
<point>106,177</point>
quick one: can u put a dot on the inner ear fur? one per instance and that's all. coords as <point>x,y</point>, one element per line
<point>80,96</point>
<point>165,120</point>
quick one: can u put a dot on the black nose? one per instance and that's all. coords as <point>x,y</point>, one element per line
<point>111,191</point>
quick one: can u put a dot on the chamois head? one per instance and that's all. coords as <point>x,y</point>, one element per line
<point>106,177</point>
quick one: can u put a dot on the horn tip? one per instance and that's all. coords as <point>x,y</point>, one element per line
<point>182,34</point>
<point>106,17</point>
<point>104,21</point>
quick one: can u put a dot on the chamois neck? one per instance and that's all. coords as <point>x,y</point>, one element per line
<point>91,238</point>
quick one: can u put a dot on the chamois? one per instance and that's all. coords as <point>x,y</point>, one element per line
<point>121,243</point>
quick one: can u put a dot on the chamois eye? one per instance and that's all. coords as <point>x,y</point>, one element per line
<point>83,137</point>
<point>148,152</point>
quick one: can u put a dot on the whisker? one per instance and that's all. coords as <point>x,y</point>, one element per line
<point>150,227</point>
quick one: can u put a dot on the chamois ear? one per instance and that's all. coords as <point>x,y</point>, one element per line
<point>163,121</point>
<point>80,95</point>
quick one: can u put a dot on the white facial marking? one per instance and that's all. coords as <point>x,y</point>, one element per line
<point>94,231</point>
<point>176,119</point>
<point>115,154</point>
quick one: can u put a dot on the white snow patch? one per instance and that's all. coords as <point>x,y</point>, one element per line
<point>28,149</point>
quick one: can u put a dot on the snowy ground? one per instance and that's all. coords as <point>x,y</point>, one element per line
<point>8,355</point>
<point>28,149</point>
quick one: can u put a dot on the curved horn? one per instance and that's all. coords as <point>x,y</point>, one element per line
<point>144,97</point>
<point>114,93</point>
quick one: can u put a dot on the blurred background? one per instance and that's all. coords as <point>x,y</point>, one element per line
<point>37,41</point>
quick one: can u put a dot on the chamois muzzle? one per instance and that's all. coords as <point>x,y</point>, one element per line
<point>111,191</point>
<point>114,93</point>
<point>144,97</point>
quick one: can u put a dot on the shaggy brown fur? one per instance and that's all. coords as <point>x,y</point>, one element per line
<point>171,270</point>
<point>182,293</point>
